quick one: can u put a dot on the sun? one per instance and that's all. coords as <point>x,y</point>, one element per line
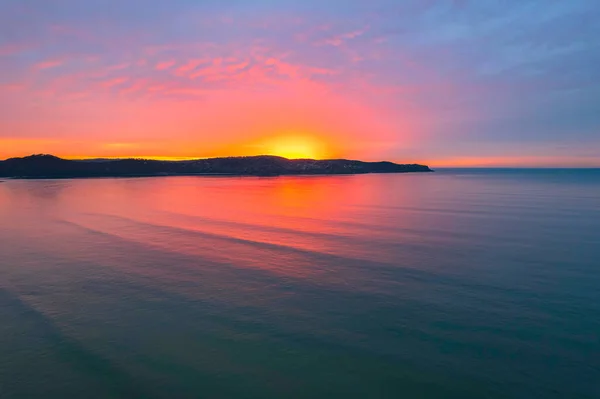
<point>295,147</point>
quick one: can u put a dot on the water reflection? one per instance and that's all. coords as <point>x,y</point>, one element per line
<point>168,287</point>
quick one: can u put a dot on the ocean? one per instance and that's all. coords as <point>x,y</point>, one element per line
<point>454,284</point>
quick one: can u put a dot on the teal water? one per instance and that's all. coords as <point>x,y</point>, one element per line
<point>456,284</point>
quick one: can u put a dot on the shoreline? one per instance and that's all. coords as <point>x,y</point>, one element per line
<point>136,176</point>
<point>51,167</point>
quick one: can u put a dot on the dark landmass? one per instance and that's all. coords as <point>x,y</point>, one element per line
<point>49,166</point>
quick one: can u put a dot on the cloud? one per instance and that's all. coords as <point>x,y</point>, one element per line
<point>118,67</point>
<point>189,66</point>
<point>13,48</point>
<point>338,40</point>
<point>47,64</point>
<point>161,66</point>
<point>114,82</point>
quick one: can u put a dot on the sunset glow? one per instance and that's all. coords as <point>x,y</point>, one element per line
<point>295,147</point>
<point>187,79</point>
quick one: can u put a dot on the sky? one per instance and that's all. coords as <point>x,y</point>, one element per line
<point>441,82</point>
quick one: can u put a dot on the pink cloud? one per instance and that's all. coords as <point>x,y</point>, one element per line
<point>12,87</point>
<point>322,71</point>
<point>11,49</point>
<point>137,86</point>
<point>340,39</point>
<point>238,66</point>
<point>48,64</point>
<point>204,72</point>
<point>189,66</point>
<point>60,85</point>
<point>119,67</point>
<point>284,68</point>
<point>157,88</point>
<point>189,91</point>
<point>256,70</point>
<point>161,66</point>
<point>114,82</point>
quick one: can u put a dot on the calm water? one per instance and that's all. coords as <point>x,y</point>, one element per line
<point>455,284</point>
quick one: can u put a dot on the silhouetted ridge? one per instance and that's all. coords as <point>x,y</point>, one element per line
<point>49,166</point>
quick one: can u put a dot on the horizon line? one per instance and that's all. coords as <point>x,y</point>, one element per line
<point>441,165</point>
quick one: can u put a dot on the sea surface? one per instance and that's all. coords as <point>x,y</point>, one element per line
<point>454,284</point>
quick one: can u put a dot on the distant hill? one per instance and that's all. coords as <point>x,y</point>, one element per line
<point>49,166</point>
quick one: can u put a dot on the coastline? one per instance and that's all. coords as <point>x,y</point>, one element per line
<point>51,167</point>
<point>139,176</point>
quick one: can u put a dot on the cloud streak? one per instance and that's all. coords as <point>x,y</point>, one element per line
<point>48,64</point>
